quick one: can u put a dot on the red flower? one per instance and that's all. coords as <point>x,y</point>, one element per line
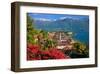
<point>57,54</point>
<point>46,53</point>
<point>33,48</point>
<point>34,53</point>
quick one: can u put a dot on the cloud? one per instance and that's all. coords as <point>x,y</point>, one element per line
<point>62,18</point>
<point>43,19</point>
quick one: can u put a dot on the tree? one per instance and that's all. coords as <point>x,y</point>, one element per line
<point>81,49</point>
<point>31,32</point>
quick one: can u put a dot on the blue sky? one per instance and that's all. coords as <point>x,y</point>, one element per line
<point>54,16</point>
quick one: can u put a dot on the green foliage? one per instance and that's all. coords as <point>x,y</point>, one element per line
<point>29,23</point>
<point>82,49</point>
<point>30,31</point>
<point>49,44</point>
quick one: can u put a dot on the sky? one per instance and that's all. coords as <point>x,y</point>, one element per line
<point>54,16</point>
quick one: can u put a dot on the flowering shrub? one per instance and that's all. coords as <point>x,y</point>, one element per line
<point>34,53</point>
<point>57,54</point>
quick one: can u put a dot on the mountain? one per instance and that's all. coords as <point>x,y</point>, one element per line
<point>79,26</point>
<point>65,24</point>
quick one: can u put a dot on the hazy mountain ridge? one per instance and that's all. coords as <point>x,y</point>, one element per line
<point>66,24</point>
<point>79,26</point>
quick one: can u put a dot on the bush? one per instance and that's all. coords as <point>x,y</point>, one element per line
<point>35,53</point>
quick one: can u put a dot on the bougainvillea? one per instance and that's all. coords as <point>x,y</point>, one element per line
<point>34,53</point>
